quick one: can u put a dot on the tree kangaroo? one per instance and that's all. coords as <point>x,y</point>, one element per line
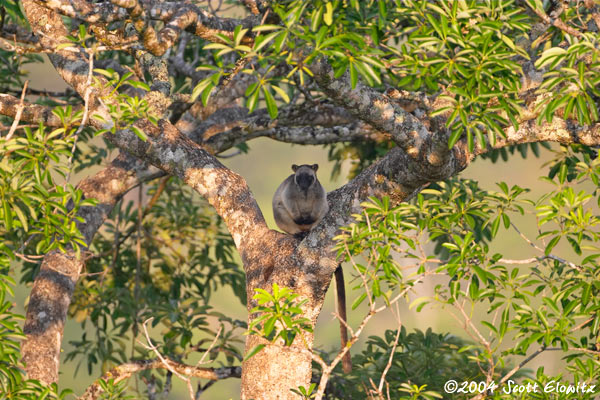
<point>299,203</point>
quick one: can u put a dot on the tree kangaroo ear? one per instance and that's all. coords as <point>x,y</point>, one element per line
<point>315,167</point>
<point>294,167</point>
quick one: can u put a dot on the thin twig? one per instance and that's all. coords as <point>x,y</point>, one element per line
<point>521,364</point>
<point>549,256</point>
<point>152,347</point>
<point>20,108</point>
<point>138,269</point>
<point>29,258</point>
<point>469,322</point>
<point>389,363</point>
<point>578,327</point>
<point>210,347</point>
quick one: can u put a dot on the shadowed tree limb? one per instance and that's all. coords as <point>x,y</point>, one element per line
<point>53,286</point>
<point>124,371</point>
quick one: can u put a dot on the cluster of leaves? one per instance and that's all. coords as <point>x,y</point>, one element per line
<point>279,317</point>
<point>572,78</point>
<point>35,209</point>
<point>36,215</point>
<point>469,51</point>
<point>124,109</point>
<point>523,149</point>
<point>546,302</point>
<point>112,390</point>
<point>185,255</point>
<point>574,163</point>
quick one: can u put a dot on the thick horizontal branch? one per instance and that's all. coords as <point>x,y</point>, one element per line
<point>425,139</point>
<point>87,11</point>
<point>226,128</point>
<point>303,124</point>
<point>124,371</point>
<point>33,113</point>
<point>558,130</point>
<point>425,143</point>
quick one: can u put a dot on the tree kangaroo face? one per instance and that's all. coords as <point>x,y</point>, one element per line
<point>305,175</point>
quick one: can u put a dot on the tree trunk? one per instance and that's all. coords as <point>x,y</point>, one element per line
<point>46,315</point>
<point>283,259</point>
<point>275,370</point>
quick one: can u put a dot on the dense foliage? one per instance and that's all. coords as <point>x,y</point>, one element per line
<point>163,256</point>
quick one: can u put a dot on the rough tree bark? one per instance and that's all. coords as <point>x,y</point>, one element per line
<point>186,150</point>
<point>53,287</point>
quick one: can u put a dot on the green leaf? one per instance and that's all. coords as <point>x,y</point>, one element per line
<point>140,133</point>
<point>550,55</point>
<point>328,16</point>
<point>252,101</point>
<point>217,46</point>
<point>353,75</point>
<point>495,226</point>
<point>419,303</point>
<point>21,217</point>
<point>454,136</point>
<point>359,300</point>
<point>382,9</point>
<point>264,28</point>
<point>316,19</point>
<point>562,174</point>
<point>269,326</point>
<point>262,41</point>
<point>139,85</point>
<point>281,93</point>
<point>470,141</point>
<point>552,244</point>
<point>271,104</point>
<point>7,216</point>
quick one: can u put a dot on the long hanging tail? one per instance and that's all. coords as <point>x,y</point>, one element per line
<point>341,305</point>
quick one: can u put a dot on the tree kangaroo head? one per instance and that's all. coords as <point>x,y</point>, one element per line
<point>305,175</point>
